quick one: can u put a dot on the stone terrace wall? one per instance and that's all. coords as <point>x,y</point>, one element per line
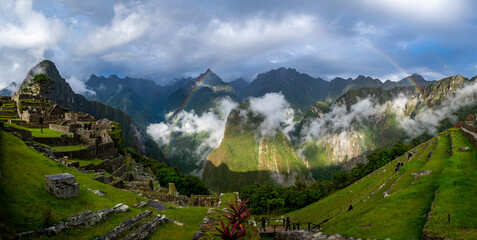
<point>204,201</point>
<point>471,136</point>
<point>59,128</point>
<point>24,135</point>
<point>55,141</point>
<point>81,154</point>
<point>180,200</point>
<point>470,125</point>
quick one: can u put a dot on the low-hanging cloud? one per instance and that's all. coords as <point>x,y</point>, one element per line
<point>79,86</point>
<point>428,120</point>
<point>192,123</point>
<point>275,109</point>
<point>340,119</point>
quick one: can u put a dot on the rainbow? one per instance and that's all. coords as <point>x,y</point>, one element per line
<point>396,65</point>
<point>184,105</point>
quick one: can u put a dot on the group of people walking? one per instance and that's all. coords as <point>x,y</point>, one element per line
<point>286,223</point>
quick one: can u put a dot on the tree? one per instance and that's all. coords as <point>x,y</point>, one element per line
<point>40,86</point>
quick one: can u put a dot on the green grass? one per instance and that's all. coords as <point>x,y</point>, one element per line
<point>459,200</point>
<point>190,216</point>
<point>68,148</point>
<point>401,215</point>
<point>23,197</point>
<point>36,132</point>
<point>83,162</point>
<point>227,198</point>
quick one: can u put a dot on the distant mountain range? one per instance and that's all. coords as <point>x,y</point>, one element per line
<point>148,102</point>
<point>277,159</point>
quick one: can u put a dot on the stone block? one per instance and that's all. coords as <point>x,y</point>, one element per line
<point>62,185</point>
<point>156,205</point>
<point>103,179</point>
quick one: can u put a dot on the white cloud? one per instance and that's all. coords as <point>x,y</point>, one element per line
<point>275,110</point>
<point>436,11</point>
<point>79,86</point>
<point>192,123</point>
<point>433,75</point>
<point>428,120</point>
<point>127,25</point>
<point>25,35</point>
<point>24,28</point>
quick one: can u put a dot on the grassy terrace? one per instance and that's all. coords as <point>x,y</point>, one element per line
<point>459,200</point>
<point>24,200</point>
<point>36,132</point>
<point>68,148</point>
<point>86,161</point>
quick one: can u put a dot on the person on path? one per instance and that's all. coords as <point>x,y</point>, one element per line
<point>264,221</point>
<point>288,224</point>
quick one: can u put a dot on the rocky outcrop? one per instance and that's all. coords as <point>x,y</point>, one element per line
<point>125,226</point>
<point>82,219</point>
<point>147,228</point>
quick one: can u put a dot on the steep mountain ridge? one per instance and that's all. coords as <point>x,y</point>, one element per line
<point>300,90</point>
<point>200,94</point>
<point>366,119</point>
<point>251,156</point>
<point>64,96</point>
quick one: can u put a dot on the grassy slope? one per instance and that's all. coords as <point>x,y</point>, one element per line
<point>23,197</point>
<point>459,200</point>
<point>406,207</point>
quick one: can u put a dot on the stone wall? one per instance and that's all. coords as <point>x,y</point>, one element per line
<point>180,200</point>
<point>24,135</point>
<point>55,141</point>
<point>204,201</point>
<point>59,128</point>
<point>81,154</point>
<point>110,165</point>
<point>471,126</point>
<point>470,136</point>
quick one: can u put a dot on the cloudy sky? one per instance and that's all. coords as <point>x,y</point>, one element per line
<point>162,40</point>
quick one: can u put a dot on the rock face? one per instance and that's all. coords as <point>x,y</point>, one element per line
<point>62,185</point>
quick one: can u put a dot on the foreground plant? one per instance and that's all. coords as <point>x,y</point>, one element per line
<point>230,234</point>
<point>238,213</point>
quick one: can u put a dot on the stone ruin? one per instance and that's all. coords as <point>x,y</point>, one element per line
<point>204,201</point>
<point>62,185</point>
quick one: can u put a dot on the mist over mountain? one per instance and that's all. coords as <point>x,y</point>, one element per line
<point>177,112</point>
<point>9,90</point>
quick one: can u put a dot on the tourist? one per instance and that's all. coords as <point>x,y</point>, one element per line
<point>264,221</point>
<point>288,224</point>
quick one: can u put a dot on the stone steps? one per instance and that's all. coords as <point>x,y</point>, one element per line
<point>125,226</point>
